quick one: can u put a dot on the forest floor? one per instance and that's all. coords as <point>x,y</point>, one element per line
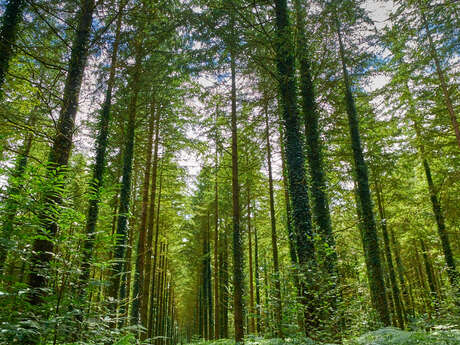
<point>384,336</point>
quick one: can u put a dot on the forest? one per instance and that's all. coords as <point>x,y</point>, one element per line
<point>220,172</point>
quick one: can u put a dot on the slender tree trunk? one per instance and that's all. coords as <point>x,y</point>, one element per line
<point>442,79</point>
<point>289,225</point>
<point>369,230</point>
<point>401,272</point>
<point>274,237</point>
<point>238,276</point>
<point>11,19</point>
<point>256,276</point>
<point>140,259</point>
<point>442,232</point>
<point>295,157</point>
<point>216,242</point>
<point>101,148</point>
<point>144,315</point>
<point>224,285</point>
<point>388,256</point>
<point>252,324</point>
<point>125,287</point>
<point>125,192</point>
<point>60,151</point>
<point>155,256</point>
<point>429,272</point>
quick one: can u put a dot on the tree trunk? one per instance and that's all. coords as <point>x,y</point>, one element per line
<point>448,256</point>
<point>140,259</point>
<point>101,148</point>
<point>388,256</point>
<point>295,157</point>
<point>125,192</point>
<point>320,204</point>
<point>256,276</point>
<point>224,286</point>
<point>369,231</point>
<point>274,237</point>
<point>155,256</point>
<point>289,225</point>
<point>60,151</point>
<point>216,243</point>
<point>442,232</point>
<point>144,315</point>
<point>238,275</point>
<point>401,272</point>
<point>252,324</point>
<point>429,272</point>
<point>11,19</point>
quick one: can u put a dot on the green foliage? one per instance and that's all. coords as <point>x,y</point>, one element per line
<point>394,336</point>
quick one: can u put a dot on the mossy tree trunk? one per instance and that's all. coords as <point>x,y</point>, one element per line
<point>320,204</point>
<point>295,156</point>
<point>369,230</point>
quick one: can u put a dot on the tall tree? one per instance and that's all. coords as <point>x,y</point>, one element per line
<point>101,148</point>
<point>125,192</point>
<point>369,230</point>
<point>238,276</point>
<point>62,145</point>
<point>294,151</point>
<point>389,257</point>
<point>320,204</point>
<point>140,258</point>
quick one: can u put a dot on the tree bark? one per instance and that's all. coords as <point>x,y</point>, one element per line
<point>274,237</point>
